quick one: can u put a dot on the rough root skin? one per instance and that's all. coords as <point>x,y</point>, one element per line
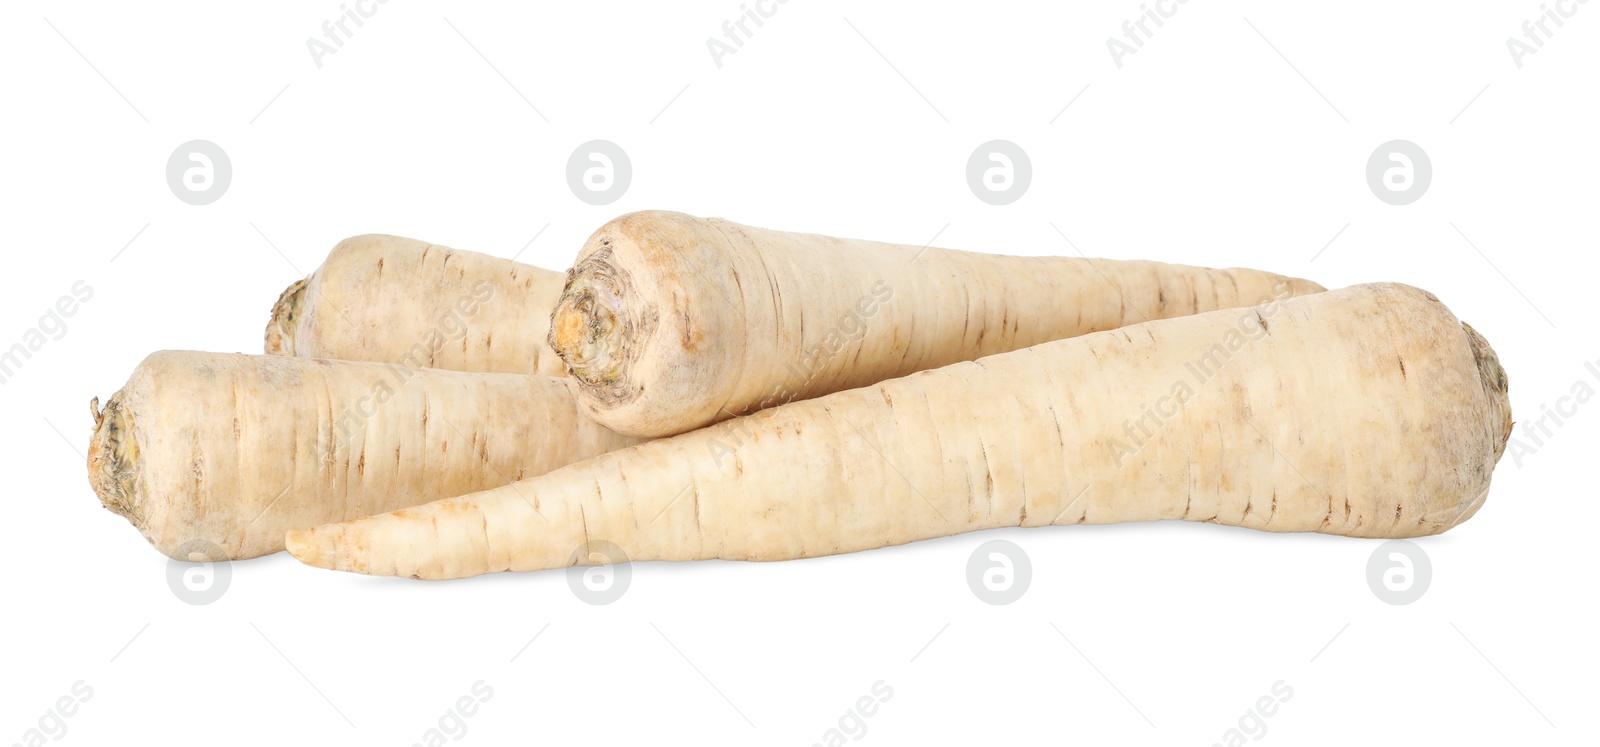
<point>114,460</point>
<point>596,332</point>
<point>280,336</point>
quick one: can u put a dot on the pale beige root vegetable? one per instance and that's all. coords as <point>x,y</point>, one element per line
<point>235,450</point>
<point>395,300</point>
<point>671,322</point>
<point>1369,412</point>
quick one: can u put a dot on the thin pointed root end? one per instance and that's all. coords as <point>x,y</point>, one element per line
<point>313,548</point>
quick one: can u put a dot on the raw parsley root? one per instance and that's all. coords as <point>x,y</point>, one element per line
<point>237,449</point>
<point>391,300</point>
<point>1368,412</point>
<point>671,322</point>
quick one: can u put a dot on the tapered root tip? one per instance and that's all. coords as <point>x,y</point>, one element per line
<point>315,547</point>
<point>1303,287</point>
<point>285,321</point>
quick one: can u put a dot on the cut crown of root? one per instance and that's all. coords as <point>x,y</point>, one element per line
<point>114,459</point>
<point>1495,385</point>
<point>286,319</point>
<point>594,331</point>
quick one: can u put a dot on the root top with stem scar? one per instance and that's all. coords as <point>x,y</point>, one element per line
<point>114,460</point>
<point>596,331</point>
<point>1495,385</point>
<point>281,329</point>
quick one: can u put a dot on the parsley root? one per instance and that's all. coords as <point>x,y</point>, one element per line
<point>237,449</point>
<point>671,322</point>
<point>391,300</point>
<point>1368,412</point>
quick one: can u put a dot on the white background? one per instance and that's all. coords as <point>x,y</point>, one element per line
<point>1206,147</point>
